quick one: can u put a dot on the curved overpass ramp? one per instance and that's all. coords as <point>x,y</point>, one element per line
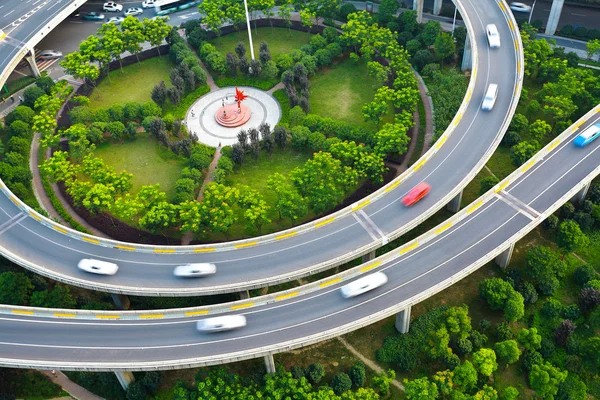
<point>68,339</point>
<point>455,159</point>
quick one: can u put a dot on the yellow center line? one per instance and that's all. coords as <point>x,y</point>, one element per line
<point>420,164</point>
<point>443,228</point>
<point>192,313</point>
<point>241,246</point>
<point>286,296</point>
<point>245,305</point>
<point>152,316</point>
<point>361,205</point>
<point>579,124</point>
<point>409,248</point>
<point>502,6</point>
<point>392,186</point>
<point>108,316</point>
<point>205,250</point>
<point>553,145</point>
<point>518,68</point>
<point>512,27</point>
<point>327,221</point>
<point>527,166</point>
<point>516,45</point>
<point>164,251</point>
<point>441,141</point>
<point>329,283</point>
<point>23,312</point>
<point>474,207</point>
<point>287,235</point>
<point>35,216</point>
<point>370,267</point>
<point>14,200</point>
<point>64,315</point>
<point>128,248</point>
<point>61,230</point>
<point>505,184</point>
<point>457,119</point>
<point>85,239</point>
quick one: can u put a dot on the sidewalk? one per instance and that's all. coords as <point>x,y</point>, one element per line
<point>70,387</point>
<point>7,105</point>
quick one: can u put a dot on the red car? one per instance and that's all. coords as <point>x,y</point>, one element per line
<point>416,194</point>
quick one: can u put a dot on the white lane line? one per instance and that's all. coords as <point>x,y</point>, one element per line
<point>372,225</point>
<point>366,227</point>
<point>515,206</point>
<point>580,15</point>
<point>10,12</point>
<point>12,222</point>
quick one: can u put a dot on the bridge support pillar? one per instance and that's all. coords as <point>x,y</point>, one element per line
<point>403,320</point>
<point>454,204</point>
<point>580,196</point>
<point>30,57</point>
<point>437,7</point>
<point>554,17</point>
<point>125,378</point>
<point>244,294</point>
<point>270,364</point>
<point>368,257</point>
<point>503,259</point>
<point>418,7</point>
<point>467,61</point>
<point>121,301</point>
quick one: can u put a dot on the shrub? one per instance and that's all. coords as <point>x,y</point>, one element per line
<point>357,374</point>
<point>503,331</point>
<point>581,32</point>
<point>451,360</point>
<point>315,372</point>
<point>297,372</point>
<point>487,183</point>
<point>185,185</point>
<point>567,30</point>
<point>21,113</point>
<point>20,129</point>
<point>511,138</point>
<point>527,290</point>
<point>464,346</point>
<point>81,115</point>
<point>159,93</point>
<point>551,222</point>
<point>567,210</point>
<point>584,220</point>
<point>532,358</point>
<point>563,332</point>
<point>31,94</point>
<point>571,312</point>
<point>584,274</point>
<point>341,383</point>
<point>345,10</point>
<point>552,308</point>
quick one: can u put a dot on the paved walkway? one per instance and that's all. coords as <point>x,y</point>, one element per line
<point>414,137</point>
<point>7,105</point>
<point>428,105</point>
<point>70,387</point>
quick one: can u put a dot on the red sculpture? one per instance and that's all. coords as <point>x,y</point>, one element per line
<point>240,96</point>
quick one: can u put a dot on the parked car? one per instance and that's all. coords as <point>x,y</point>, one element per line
<point>220,324</point>
<point>364,285</point>
<point>588,135</point>
<point>520,7</point>
<point>111,6</point>
<point>493,36</point>
<point>114,20</point>
<point>97,266</point>
<point>195,270</point>
<point>148,3</point>
<point>50,54</point>
<point>490,97</point>
<point>415,194</point>
<point>133,11</point>
<point>94,16</point>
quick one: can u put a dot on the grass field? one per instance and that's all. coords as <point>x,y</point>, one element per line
<point>341,90</point>
<point>280,40</point>
<point>135,83</point>
<point>148,161</point>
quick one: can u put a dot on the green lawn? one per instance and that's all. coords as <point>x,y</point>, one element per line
<point>341,90</point>
<point>135,83</point>
<point>148,161</point>
<point>280,40</point>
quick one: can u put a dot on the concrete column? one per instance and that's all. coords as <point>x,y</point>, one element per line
<point>30,57</point>
<point>125,378</point>
<point>403,320</point>
<point>554,17</point>
<point>368,257</point>
<point>454,204</point>
<point>418,7</point>
<point>467,61</point>
<point>244,295</point>
<point>270,364</point>
<point>121,301</point>
<point>503,259</point>
<point>580,196</point>
<point>437,7</point>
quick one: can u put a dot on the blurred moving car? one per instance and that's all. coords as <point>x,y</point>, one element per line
<point>2,34</point>
<point>588,135</point>
<point>148,3</point>
<point>94,16</point>
<point>493,36</point>
<point>111,6</point>
<point>195,270</point>
<point>114,20</point>
<point>97,266</point>
<point>133,11</point>
<point>163,17</point>
<point>220,324</point>
<point>50,54</point>
<point>490,97</point>
<point>520,7</point>
<point>364,285</point>
<point>415,194</point>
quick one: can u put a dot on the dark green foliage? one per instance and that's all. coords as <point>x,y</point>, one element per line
<point>463,346</point>
<point>31,94</point>
<point>15,288</point>
<point>59,297</point>
<point>341,383</point>
<point>531,358</point>
<point>451,360</point>
<point>487,183</point>
<point>21,113</point>
<point>584,274</point>
<point>547,348</point>
<point>511,138</point>
<point>135,391</point>
<point>571,312</point>
<point>159,93</point>
<point>357,374</point>
<point>503,331</point>
<point>315,372</point>
<point>151,380</point>
<point>484,324</point>
<point>571,388</point>
<point>478,339</point>
<point>45,83</point>
<point>567,210</point>
<point>563,332</point>
<point>297,372</point>
<point>584,220</point>
<point>528,292</point>
<point>551,222</point>
<point>552,308</point>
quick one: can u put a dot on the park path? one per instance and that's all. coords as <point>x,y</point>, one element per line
<point>276,87</point>
<point>428,105</point>
<point>369,363</point>
<point>414,137</point>
<point>76,391</point>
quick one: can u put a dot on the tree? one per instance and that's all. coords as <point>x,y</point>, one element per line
<point>593,48</point>
<point>444,46</point>
<point>523,151</point>
<point>285,13</point>
<point>341,383</point>
<point>437,343</point>
<point>563,332</point>
<point>112,42</point>
<point>530,339</point>
<point>135,391</point>
<point>161,216</point>
<point>15,288</point>
<point>589,298</point>
<point>420,389</point>
<point>280,135</point>
<point>539,129</point>
<point>255,208</point>
<point>156,30</point>
<point>508,351</point>
<point>457,321</point>
<point>392,138</point>
<point>545,379</point>
<point>305,18</point>
<point>430,33</point>
<point>31,94</point>
<point>159,93</point>
<point>374,111</point>
<point>465,376</point>
<point>289,203</point>
<point>59,297</point>
<point>509,393</point>
<point>514,309</point>
<point>80,67</point>
<point>487,183</point>
<point>572,388</point>
<point>560,108</point>
<point>495,292</point>
<point>570,237</point>
<point>485,361</point>
<point>132,35</point>
<point>382,381</point>
<point>357,374</point>
<point>315,372</point>
<point>387,11</point>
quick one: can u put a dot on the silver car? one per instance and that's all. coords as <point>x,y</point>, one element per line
<point>97,266</point>
<point>493,36</point>
<point>50,54</point>
<point>364,284</point>
<point>115,20</point>
<point>220,324</point>
<point>490,97</point>
<point>195,270</point>
<point>520,7</point>
<point>133,11</point>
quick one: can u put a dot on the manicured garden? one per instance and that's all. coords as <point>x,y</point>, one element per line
<point>280,40</point>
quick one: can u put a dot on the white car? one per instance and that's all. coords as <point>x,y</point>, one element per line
<point>364,284</point>
<point>490,97</point>
<point>97,266</point>
<point>148,3</point>
<point>163,17</point>
<point>115,20</point>
<point>2,34</point>
<point>520,7</point>
<point>220,324</point>
<point>112,7</point>
<point>133,11</point>
<point>493,36</point>
<point>50,54</point>
<point>195,270</point>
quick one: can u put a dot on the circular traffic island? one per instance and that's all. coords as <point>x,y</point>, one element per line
<point>217,117</point>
